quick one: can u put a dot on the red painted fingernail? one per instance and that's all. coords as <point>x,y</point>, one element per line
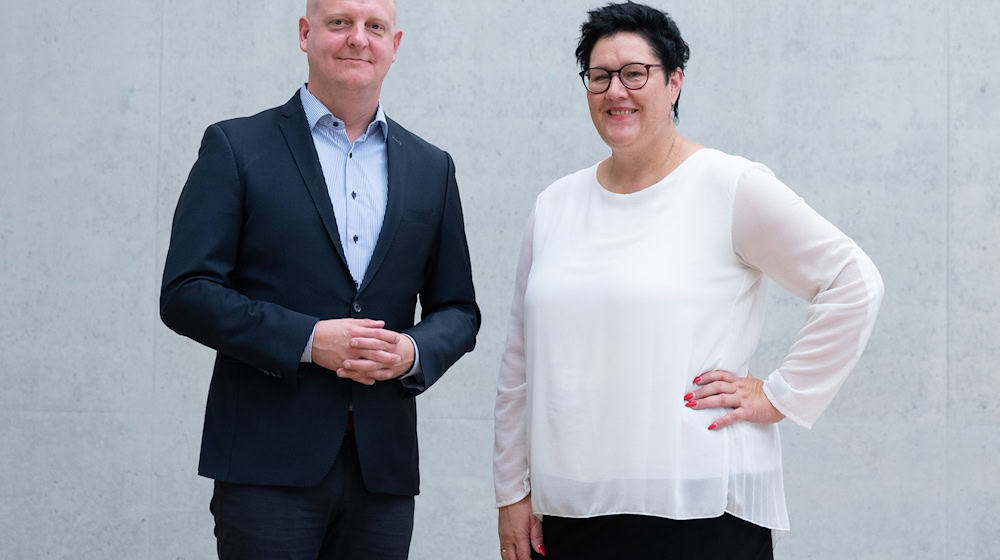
<point>690,404</point>
<point>712,426</point>
<point>689,396</point>
<point>697,379</point>
<point>541,549</point>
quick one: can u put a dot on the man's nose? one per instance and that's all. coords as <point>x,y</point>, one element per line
<point>357,38</point>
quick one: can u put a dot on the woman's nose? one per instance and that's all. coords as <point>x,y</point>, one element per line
<point>616,88</point>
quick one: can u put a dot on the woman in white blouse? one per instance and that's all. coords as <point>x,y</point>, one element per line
<point>626,415</point>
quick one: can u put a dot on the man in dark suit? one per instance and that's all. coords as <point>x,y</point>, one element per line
<point>301,242</point>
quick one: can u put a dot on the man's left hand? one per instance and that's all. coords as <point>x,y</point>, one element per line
<point>745,395</point>
<point>378,360</point>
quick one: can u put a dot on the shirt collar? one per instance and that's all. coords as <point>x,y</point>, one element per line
<point>315,110</point>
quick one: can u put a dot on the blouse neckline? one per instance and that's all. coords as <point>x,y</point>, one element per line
<point>651,188</point>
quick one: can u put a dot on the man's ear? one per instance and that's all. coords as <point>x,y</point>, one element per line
<point>303,33</point>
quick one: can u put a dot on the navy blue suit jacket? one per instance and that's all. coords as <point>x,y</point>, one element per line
<point>255,260</point>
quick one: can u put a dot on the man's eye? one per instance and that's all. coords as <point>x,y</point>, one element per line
<point>338,22</point>
<point>377,27</point>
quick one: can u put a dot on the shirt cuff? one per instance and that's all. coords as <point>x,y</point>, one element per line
<point>777,390</point>
<point>415,368</point>
<point>308,352</point>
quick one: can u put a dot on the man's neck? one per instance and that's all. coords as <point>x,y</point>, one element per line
<point>356,108</point>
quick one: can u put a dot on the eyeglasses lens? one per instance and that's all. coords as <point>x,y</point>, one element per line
<point>633,76</point>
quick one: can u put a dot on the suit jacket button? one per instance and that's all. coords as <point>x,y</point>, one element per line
<point>357,307</point>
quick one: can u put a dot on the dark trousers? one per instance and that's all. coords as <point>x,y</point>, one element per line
<point>338,519</point>
<point>626,537</point>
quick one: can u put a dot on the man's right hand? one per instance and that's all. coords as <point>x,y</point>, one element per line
<point>332,346</point>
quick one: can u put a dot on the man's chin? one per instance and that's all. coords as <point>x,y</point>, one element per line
<point>356,80</point>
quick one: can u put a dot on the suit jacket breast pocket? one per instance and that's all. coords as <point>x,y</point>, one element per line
<point>411,246</point>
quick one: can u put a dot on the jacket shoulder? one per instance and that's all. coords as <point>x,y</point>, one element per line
<point>260,131</point>
<point>421,148</point>
<point>264,120</point>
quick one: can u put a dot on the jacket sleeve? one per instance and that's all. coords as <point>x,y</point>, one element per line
<point>198,298</point>
<point>450,318</point>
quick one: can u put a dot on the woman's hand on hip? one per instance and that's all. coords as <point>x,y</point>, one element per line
<point>745,395</point>
<point>520,531</point>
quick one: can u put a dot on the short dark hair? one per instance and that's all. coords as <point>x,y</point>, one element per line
<point>656,27</point>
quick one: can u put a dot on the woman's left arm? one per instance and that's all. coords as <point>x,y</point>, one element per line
<point>775,231</point>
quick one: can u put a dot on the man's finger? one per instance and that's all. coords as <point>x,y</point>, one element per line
<point>380,374</point>
<point>380,357</point>
<point>367,343</point>
<point>363,365</point>
<point>391,337</point>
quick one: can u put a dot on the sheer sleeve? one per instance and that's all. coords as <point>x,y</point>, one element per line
<point>776,232</point>
<point>510,444</point>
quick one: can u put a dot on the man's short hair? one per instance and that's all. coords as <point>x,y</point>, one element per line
<point>311,7</point>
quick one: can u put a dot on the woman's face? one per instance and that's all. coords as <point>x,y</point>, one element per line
<point>628,118</point>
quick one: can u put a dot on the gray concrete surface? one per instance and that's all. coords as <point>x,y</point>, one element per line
<point>884,115</point>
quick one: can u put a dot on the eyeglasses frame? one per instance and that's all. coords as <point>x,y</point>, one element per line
<point>611,75</point>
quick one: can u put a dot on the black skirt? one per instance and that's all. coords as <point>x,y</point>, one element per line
<point>624,537</point>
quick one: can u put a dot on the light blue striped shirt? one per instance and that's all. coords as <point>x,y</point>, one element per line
<point>357,180</point>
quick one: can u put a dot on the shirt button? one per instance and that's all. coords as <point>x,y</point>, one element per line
<point>355,238</point>
<point>354,194</point>
<point>356,307</point>
<point>351,155</point>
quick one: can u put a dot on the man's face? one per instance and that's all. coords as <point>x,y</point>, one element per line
<point>349,43</point>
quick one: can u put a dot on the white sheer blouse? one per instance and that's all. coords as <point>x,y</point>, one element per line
<point>621,300</point>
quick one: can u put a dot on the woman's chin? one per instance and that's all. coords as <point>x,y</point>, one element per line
<point>620,139</point>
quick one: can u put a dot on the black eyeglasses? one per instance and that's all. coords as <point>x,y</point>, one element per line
<point>633,75</point>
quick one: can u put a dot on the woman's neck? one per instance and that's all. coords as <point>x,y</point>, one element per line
<point>629,171</point>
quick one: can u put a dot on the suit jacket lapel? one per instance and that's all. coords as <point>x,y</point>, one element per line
<point>396,154</point>
<point>295,128</point>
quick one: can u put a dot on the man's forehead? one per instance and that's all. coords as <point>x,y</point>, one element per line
<point>313,6</point>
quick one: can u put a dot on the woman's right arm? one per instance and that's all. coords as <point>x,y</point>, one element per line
<point>510,443</point>
<point>518,527</point>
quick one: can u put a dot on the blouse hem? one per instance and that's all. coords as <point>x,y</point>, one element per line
<point>663,516</point>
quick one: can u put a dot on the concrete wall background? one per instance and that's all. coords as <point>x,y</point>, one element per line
<point>884,115</point>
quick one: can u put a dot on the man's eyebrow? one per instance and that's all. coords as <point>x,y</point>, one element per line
<point>375,19</point>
